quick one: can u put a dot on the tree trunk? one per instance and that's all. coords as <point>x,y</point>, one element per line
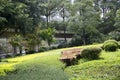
<point>47,24</point>
<point>64,25</point>
<point>84,37</point>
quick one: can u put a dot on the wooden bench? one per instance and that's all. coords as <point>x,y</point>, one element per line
<point>70,56</point>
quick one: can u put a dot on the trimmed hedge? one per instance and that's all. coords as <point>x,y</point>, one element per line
<point>91,53</point>
<point>110,45</point>
<point>110,41</point>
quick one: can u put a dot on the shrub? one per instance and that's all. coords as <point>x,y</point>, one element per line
<point>76,41</point>
<point>110,41</point>
<point>69,61</point>
<point>91,53</point>
<point>9,56</point>
<point>30,52</point>
<point>63,45</point>
<point>54,47</point>
<point>42,49</point>
<point>110,45</point>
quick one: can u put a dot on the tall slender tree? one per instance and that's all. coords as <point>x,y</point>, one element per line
<point>82,23</point>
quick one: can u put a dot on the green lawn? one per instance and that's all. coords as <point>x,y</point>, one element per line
<point>106,68</point>
<point>46,66</point>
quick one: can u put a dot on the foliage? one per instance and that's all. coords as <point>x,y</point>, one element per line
<point>115,35</point>
<point>49,8</point>
<point>91,53</point>
<point>76,41</point>
<point>117,19</point>
<point>8,56</point>
<point>34,64</point>
<point>107,68</point>
<point>53,47</point>
<point>31,41</point>
<point>42,49</point>
<point>82,23</point>
<point>63,45</point>
<point>31,51</point>
<point>110,45</point>
<point>48,35</point>
<point>16,41</point>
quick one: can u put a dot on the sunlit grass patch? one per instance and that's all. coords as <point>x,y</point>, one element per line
<point>43,66</point>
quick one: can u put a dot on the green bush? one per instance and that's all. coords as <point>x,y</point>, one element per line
<point>110,45</point>
<point>42,49</point>
<point>110,41</point>
<point>91,53</point>
<point>8,56</point>
<point>53,47</point>
<point>76,41</point>
<point>63,45</point>
<point>31,52</point>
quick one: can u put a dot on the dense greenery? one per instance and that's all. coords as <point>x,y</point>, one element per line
<point>91,53</point>
<point>28,24</point>
<point>91,22</point>
<point>110,45</point>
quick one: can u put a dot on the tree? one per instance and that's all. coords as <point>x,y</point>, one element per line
<point>65,11</point>
<point>16,41</point>
<point>115,35</point>
<point>21,15</point>
<point>4,5</point>
<point>117,19</point>
<point>50,7</point>
<point>108,9</point>
<point>48,35</point>
<point>85,21</point>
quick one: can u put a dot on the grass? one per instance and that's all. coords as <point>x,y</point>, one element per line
<point>106,68</point>
<point>42,66</point>
<point>46,66</point>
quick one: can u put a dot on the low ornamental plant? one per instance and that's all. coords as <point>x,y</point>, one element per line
<point>91,53</point>
<point>42,49</point>
<point>110,45</point>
